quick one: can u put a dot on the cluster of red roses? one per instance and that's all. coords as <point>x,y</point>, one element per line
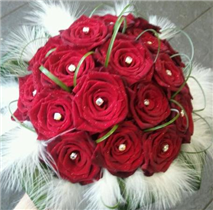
<point>132,92</point>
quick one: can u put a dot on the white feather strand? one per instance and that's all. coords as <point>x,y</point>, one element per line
<point>117,8</point>
<point>103,193</point>
<point>54,16</point>
<point>62,194</point>
<point>205,78</point>
<point>165,24</point>
<point>162,190</point>
<point>24,44</point>
<point>20,153</point>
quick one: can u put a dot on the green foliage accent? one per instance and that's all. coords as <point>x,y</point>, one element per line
<point>20,123</point>
<point>204,95</point>
<point>79,65</point>
<point>165,124</point>
<point>54,78</point>
<point>156,35</point>
<point>116,29</point>
<point>185,114</point>
<point>115,127</point>
<point>49,52</point>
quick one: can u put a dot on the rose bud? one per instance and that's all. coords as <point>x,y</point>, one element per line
<point>72,153</point>
<point>167,73</point>
<point>63,62</point>
<point>51,113</point>
<point>86,33</point>
<point>100,102</point>
<point>148,104</point>
<point>160,147</point>
<point>122,152</point>
<point>181,123</point>
<point>129,59</point>
<point>27,93</point>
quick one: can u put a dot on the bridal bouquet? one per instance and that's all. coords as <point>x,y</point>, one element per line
<point>107,113</point>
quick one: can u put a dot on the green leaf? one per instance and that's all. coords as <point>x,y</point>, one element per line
<point>107,134</point>
<point>115,32</point>
<point>49,52</point>
<point>94,10</point>
<point>79,65</point>
<point>54,78</point>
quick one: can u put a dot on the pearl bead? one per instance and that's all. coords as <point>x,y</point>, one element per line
<point>57,116</point>
<point>99,101</point>
<point>168,72</point>
<point>146,102</point>
<point>71,68</point>
<point>128,60</point>
<point>34,92</point>
<point>182,113</point>
<point>86,30</point>
<point>165,148</point>
<point>122,147</point>
<point>149,42</point>
<point>73,156</point>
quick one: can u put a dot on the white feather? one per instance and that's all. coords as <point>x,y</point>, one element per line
<point>61,194</point>
<point>117,8</point>
<point>162,190</point>
<point>20,153</point>
<point>205,78</point>
<point>9,92</point>
<point>167,27</point>
<point>23,44</point>
<point>54,16</point>
<point>103,193</point>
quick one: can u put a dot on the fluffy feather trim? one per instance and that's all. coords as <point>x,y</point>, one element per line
<point>104,193</point>
<point>61,194</point>
<point>23,44</point>
<point>162,190</point>
<point>117,8</point>
<point>166,26</point>
<point>54,16</point>
<point>21,153</point>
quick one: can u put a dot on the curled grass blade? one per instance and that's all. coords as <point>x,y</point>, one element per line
<point>54,79</point>
<point>165,124</point>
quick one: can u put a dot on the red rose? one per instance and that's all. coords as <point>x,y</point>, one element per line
<point>27,93</point>
<point>39,57</point>
<point>167,73</point>
<point>51,113</point>
<point>129,59</point>
<point>72,153</point>
<point>63,62</point>
<point>161,147</point>
<point>110,20</point>
<point>100,102</point>
<point>149,105</point>
<point>148,40</point>
<point>122,152</point>
<point>181,123</point>
<point>52,43</point>
<point>86,33</point>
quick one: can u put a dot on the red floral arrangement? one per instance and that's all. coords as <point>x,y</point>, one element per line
<point>107,93</point>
